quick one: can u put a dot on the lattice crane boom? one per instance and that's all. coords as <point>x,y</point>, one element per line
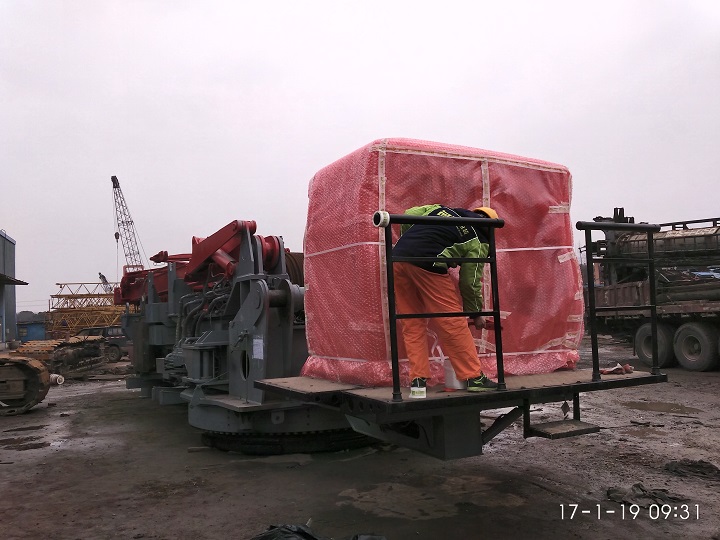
<point>126,228</point>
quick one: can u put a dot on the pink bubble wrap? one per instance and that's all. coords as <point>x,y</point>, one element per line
<point>540,286</point>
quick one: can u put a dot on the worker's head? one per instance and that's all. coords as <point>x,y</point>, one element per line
<point>486,211</point>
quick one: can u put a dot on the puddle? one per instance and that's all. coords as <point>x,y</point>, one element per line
<point>644,433</point>
<point>660,406</point>
<point>397,500</point>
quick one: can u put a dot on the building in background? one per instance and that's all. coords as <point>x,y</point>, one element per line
<point>30,326</point>
<point>8,330</point>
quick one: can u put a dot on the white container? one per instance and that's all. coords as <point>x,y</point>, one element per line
<point>451,381</point>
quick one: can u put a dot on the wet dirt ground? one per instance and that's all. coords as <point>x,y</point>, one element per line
<point>94,460</point>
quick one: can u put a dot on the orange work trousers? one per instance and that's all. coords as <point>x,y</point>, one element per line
<point>422,291</point>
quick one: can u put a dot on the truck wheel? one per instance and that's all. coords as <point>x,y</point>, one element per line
<point>696,346</point>
<point>113,354</point>
<point>643,345</point>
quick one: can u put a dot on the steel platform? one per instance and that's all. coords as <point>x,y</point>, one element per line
<point>446,424</point>
<point>378,401</point>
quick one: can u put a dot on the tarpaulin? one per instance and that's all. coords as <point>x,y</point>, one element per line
<point>540,286</point>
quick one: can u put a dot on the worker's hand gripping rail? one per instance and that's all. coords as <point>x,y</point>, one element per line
<point>588,227</point>
<point>385,220</point>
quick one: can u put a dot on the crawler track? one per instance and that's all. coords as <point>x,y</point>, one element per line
<point>287,443</point>
<point>24,382</point>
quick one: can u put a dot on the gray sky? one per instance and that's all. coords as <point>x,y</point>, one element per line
<point>213,111</point>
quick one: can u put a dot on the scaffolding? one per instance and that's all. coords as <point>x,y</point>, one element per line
<point>80,305</point>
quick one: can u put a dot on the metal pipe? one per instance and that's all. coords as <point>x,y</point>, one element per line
<point>610,226</point>
<point>397,395</point>
<point>496,312</point>
<point>591,303</point>
<point>653,303</point>
<point>200,303</point>
<point>208,312</point>
<point>384,219</point>
<point>178,324</point>
<point>576,406</point>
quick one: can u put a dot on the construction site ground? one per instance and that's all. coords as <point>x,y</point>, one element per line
<point>94,460</point>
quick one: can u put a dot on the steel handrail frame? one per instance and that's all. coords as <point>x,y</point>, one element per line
<point>649,229</point>
<point>385,220</point>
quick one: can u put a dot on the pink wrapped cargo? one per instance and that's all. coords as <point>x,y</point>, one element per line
<point>539,278</point>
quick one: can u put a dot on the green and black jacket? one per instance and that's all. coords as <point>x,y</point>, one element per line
<point>423,240</point>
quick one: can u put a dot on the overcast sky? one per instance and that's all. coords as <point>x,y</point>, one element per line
<point>213,111</point>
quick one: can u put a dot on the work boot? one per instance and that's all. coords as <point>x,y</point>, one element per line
<point>418,388</point>
<point>480,384</point>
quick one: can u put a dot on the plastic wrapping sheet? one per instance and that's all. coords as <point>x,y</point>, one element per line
<point>540,286</point>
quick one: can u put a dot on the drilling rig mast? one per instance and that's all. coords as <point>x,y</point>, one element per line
<point>126,229</point>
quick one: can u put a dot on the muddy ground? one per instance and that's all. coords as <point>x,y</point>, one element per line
<point>94,460</point>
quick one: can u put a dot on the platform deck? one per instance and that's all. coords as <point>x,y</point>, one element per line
<point>533,388</point>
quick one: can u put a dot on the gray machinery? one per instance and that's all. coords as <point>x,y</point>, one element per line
<point>206,325</point>
<point>222,330</point>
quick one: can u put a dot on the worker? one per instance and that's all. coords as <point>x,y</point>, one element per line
<point>426,287</point>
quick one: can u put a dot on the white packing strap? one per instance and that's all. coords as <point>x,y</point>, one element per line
<point>340,359</point>
<point>572,340</point>
<point>346,246</point>
<point>483,345</point>
<point>485,182</point>
<point>565,257</point>
<point>559,209</point>
<point>569,340</point>
<point>541,248</point>
<point>475,157</point>
<point>382,259</point>
<point>575,318</point>
<point>553,343</point>
<point>525,353</point>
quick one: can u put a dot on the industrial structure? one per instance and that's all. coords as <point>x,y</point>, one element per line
<point>80,305</point>
<point>274,351</point>
<point>222,330</point>
<point>210,323</point>
<point>8,281</point>
<point>125,229</point>
<point>687,278</point>
<point>225,328</point>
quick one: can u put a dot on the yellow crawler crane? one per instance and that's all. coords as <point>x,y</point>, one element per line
<point>67,357</point>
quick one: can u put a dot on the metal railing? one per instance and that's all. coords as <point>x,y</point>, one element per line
<point>385,220</point>
<point>588,227</point>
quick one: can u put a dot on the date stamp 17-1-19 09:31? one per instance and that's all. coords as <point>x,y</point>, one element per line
<point>683,512</point>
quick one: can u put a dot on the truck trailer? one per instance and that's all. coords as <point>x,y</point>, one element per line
<point>687,279</point>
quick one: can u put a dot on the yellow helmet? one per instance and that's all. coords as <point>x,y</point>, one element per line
<point>489,212</point>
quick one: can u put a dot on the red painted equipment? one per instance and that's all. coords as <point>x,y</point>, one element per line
<point>212,258</point>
